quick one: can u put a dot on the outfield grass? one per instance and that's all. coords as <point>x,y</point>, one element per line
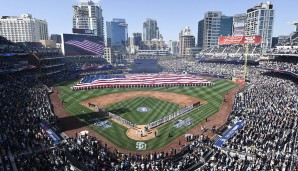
<point>117,134</point>
<point>128,109</point>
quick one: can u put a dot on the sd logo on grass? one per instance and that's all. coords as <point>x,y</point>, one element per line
<point>141,146</point>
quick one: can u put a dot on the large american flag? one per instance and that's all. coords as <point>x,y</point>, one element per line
<point>141,80</point>
<point>96,48</point>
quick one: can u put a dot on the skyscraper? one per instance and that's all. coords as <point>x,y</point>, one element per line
<point>56,38</point>
<point>116,33</point>
<point>88,15</point>
<point>24,28</point>
<point>226,26</point>
<point>259,21</point>
<point>173,47</point>
<point>186,40</point>
<point>137,39</point>
<point>200,33</point>
<point>215,24</point>
<point>150,30</point>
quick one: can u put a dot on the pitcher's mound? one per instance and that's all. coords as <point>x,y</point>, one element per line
<point>141,134</point>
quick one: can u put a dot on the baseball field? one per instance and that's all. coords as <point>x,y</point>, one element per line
<point>142,106</point>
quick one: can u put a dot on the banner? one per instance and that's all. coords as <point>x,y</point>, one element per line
<point>240,80</point>
<point>229,133</point>
<point>239,40</point>
<point>50,132</point>
<point>103,67</point>
<point>82,31</point>
<point>239,31</point>
<point>77,44</point>
<point>17,68</point>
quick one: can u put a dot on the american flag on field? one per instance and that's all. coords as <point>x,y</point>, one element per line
<point>141,80</point>
<point>96,48</point>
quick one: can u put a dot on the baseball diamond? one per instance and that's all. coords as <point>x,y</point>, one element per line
<point>161,100</point>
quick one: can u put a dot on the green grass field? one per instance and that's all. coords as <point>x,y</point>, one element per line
<point>128,109</point>
<point>117,133</point>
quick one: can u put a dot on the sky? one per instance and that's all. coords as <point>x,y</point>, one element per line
<point>171,15</point>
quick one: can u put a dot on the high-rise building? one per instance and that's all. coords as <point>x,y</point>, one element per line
<point>186,40</point>
<point>296,24</point>
<point>137,39</point>
<point>116,33</point>
<point>173,47</point>
<point>259,21</point>
<point>215,24</point>
<point>211,28</point>
<point>226,26</point>
<point>24,28</point>
<point>56,38</point>
<point>134,42</point>
<point>153,44</point>
<point>200,34</point>
<point>88,16</point>
<point>150,30</point>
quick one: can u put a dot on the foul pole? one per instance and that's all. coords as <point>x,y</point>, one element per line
<point>245,62</point>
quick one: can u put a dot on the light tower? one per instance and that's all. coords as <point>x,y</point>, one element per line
<point>296,24</point>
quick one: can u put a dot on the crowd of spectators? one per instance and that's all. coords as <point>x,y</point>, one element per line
<point>194,67</point>
<point>269,109</point>
<point>291,41</point>
<point>286,66</point>
<point>77,62</point>
<point>287,46</point>
<point>236,52</point>
<point>7,46</point>
<point>24,104</point>
<point>283,50</point>
<point>267,141</point>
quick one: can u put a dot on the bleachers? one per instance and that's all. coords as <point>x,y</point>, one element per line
<point>228,52</point>
<point>268,107</point>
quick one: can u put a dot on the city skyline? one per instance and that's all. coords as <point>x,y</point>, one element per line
<point>170,17</point>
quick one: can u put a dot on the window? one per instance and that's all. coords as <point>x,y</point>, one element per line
<point>271,13</point>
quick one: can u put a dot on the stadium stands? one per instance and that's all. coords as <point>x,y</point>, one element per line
<point>235,52</point>
<point>200,153</point>
<point>7,46</point>
<point>270,118</point>
<point>267,141</point>
<point>193,67</point>
<point>289,64</point>
<point>81,62</point>
<point>288,46</point>
<point>291,67</point>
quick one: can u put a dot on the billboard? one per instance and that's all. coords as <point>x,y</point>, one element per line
<point>77,44</point>
<point>239,40</point>
<point>82,31</point>
<point>239,31</point>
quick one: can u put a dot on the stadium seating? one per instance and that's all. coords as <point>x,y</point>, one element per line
<point>288,46</point>
<point>182,66</point>
<point>7,46</point>
<point>235,52</point>
<point>267,140</point>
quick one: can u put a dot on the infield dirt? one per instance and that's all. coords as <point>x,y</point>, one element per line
<point>106,100</point>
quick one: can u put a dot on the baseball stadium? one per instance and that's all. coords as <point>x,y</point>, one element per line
<point>157,102</point>
<point>86,105</point>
